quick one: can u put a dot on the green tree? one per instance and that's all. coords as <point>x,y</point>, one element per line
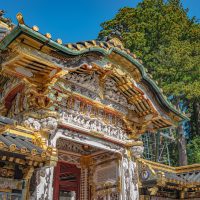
<point>193,150</point>
<point>168,41</point>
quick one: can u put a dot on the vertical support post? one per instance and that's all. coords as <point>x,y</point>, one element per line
<point>157,146</point>
<point>130,189</point>
<point>182,194</point>
<point>27,177</point>
<point>84,184</point>
<point>56,181</point>
<point>44,188</point>
<point>181,146</point>
<point>168,156</point>
<point>24,190</point>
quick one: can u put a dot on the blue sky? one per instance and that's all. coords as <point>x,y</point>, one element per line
<point>74,20</point>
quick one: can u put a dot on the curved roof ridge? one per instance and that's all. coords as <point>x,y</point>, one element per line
<point>104,47</point>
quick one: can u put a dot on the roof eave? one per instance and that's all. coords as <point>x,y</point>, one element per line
<point>21,28</point>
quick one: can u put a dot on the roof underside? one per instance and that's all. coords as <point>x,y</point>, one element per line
<point>109,50</point>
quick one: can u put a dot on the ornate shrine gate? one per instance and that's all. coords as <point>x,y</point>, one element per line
<point>90,168</point>
<point>83,104</point>
<point>91,172</point>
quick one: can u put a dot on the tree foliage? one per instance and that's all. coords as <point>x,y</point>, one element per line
<point>167,40</point>
<point>193,150</point>
<point>162,35</point>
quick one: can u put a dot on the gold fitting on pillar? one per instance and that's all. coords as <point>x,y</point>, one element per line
<point>85,161</point>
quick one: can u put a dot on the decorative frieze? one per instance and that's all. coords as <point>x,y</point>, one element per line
<point>113,93</point>
<point>6,172</point>
<point>69,146</point>
<point>95,119</point>
<point>48,123</point>
<point>91,86</point>
<point>95,125</point>
<point>85,139</point>
<point>89,81</point>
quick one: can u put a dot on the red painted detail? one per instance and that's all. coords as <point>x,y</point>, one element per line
<point>11,95</point>
<point>66,178</point>
<point>56,182</point>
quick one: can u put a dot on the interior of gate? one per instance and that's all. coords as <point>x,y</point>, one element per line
<point>67,185</point>
<point>86,172</point>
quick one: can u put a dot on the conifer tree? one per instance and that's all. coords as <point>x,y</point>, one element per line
<point>168,41</point>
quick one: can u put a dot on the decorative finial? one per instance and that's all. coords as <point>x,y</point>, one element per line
<point>20,18</point>
<point>114,37</point>
<point>6,20</point>
<point>140,61</point>
<point>134,56</point>
<point>59,41</point>
<point>2,12</point>
<point>35,28</point>
<point>48,35</point>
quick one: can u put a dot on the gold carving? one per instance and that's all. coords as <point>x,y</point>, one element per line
<point>45,114</point>
<point>85,161</point>
<point>20,18</point>
<point>161,179</point>
<point>134,143</point>
<point>153,190</point>
<point>28,173</point>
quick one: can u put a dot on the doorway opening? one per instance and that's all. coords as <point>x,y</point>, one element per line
<point>84,171</point>
<point>66,182</point>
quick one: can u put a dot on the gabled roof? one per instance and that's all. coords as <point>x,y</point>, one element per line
<point>21,145</point>
<point>153,173</point>
<point>102,47</point>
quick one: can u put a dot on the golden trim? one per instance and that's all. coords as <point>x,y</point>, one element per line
<point>162,167</point>
<point>133,143</point>
<point>16,132</point>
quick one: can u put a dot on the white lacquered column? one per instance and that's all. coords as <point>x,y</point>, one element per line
<point>44,189</point>
<point>130,190</point>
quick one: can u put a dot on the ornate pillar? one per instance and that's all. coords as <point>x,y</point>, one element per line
<point>130,189</point>
<point>44,176</point>
<point>84,184</point>
<point>44,188</point>
<point>84,188</point>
